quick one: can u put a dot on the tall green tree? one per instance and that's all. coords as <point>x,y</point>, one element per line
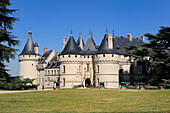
<point>7,40</point>
<point>154,56</point>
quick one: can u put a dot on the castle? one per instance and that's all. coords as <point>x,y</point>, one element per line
<point>79,63</point>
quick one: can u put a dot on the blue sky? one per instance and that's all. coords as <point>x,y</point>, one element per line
<point>50,20</point>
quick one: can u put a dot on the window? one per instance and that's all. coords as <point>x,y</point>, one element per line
<point>112,55</point>
<point>97,68</point>
<point>88,56</point>
<point>48,72</point>
<point>84,56</point>
<point>63,82</point>
<point>87,67</point>
<point>103,55</point>
<point>98,82</point>
<point>29,55</point>
<point>76,56</point>
<point>79,68</point>
<point>57,72</point>
<point>64,69</point>
<point>32,64</point>
<point>48,80</point>
<point>54,72</point>
<point>42,80</point>
<point>39,80</point>
<point>120,67</point>
<point>63,56</point>
<point>68,55</point>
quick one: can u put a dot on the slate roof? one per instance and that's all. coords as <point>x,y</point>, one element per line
<point>71,47</point>
<point>29,48</point>
<point>80,42</point>
<point>44,56</point>
<point>90,47</point>
<point>53,63</point>
<point>120,42</point>
<point>103,49</point>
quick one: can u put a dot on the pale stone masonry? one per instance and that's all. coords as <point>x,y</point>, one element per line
<point>79,63</point>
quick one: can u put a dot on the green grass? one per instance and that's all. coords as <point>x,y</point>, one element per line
<point>87,100</point>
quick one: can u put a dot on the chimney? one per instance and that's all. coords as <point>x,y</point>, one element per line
<point>142,37</point>
<point>64,42</point>
<point>110,41</point>
<point>130,36</point>
<point>58,55</point>
<point>45,50</point>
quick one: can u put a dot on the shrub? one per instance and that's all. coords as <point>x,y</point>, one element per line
<point>151,87</point>
<point>167,83</point>
<point>132,87</point>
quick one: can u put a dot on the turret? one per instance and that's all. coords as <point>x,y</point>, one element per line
<point>36,48</point>
<point>28,59</point>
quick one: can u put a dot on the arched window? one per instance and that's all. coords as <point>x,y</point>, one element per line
<point>54,72</point>
<point>64,69</point>
<point>48,72</point>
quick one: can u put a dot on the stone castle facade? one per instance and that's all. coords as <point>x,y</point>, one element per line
<point>79,63</point>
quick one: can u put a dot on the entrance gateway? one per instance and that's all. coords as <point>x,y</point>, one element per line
<point>87,82</point>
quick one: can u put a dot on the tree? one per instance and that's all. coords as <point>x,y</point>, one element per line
<point>154,56</point>
<point>7,40</point>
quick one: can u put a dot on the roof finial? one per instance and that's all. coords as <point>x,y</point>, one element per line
<point>113,32</point>
<point>89,32</point>
<point>106,29</point>
<point>30,33</point>
<point>30,30</point>
<point>92,34</point>
<point>71,31</point>
<point>79,33</point>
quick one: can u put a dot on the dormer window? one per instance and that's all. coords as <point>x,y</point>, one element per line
<point>117,47</point>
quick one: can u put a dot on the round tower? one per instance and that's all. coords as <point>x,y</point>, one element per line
<point>28,60</point>
<point>70,64</point>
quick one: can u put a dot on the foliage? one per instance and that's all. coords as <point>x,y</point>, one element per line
<point>15,83</point>
<point>153,56</point>
<point>167,83</point>
<point>132,87</point>
<point>7,40</point>
<point>151,87</point>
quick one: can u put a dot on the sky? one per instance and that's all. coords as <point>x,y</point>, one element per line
<point>51,20</point>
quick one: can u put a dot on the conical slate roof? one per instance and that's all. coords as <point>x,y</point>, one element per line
<point>29,48</point>
<point>90,45</point>
<point>71,47</point>
<point>103,49</point>
<point>80,42</point>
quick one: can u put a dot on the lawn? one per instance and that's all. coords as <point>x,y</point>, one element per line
<point>87,100</point>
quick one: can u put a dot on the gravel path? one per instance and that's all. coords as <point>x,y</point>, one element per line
<point>18,91</point>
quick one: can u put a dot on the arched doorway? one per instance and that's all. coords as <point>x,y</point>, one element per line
<point>87,82</point>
